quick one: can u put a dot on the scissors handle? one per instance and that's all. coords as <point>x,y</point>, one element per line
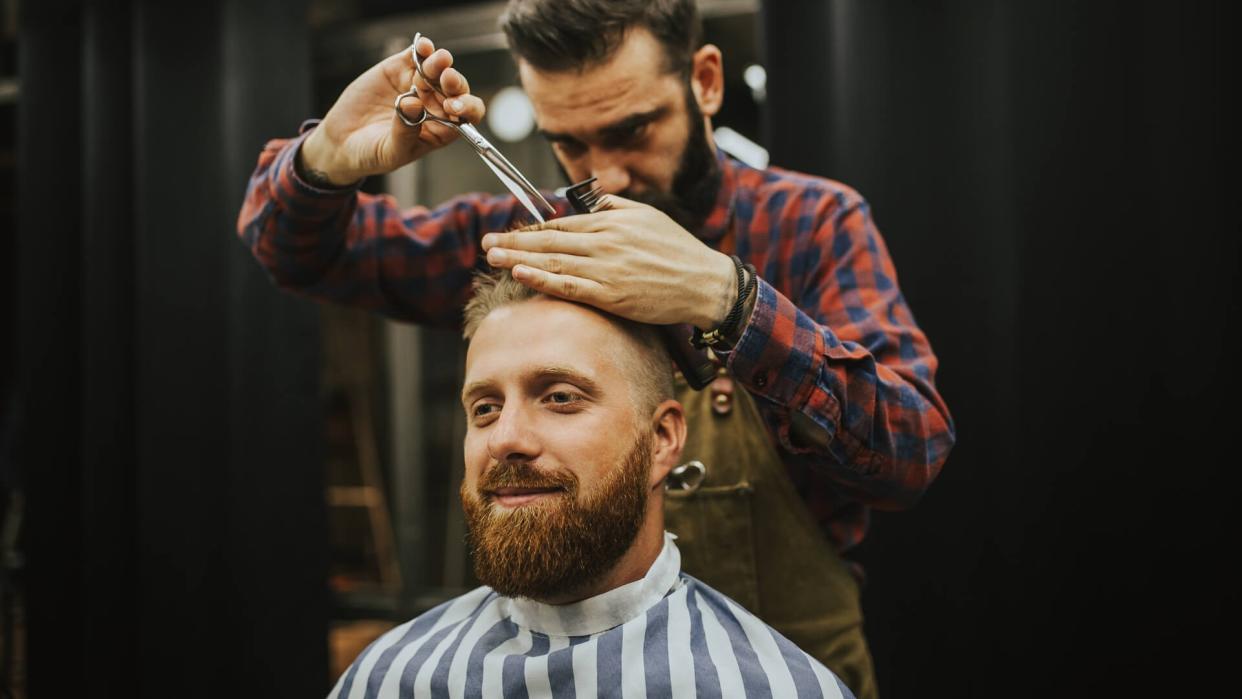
<point>418,67</point>
<point>515,180</point>
<point>401,115</point>
<point>413,92</point>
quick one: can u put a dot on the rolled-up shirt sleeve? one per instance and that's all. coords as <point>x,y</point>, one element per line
<point>844,376</point>
<point>363,250</point>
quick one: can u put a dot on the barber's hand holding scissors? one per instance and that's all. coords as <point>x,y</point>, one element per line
<point>630,260</point>
<point>362,135</point>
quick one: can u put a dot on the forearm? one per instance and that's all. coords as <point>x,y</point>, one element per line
<point>294,229</point>
<point>314,164</point>
<point>340,245</point>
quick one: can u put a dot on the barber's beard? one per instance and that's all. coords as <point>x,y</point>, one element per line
<point>696,184</point>
<point>563,543</point>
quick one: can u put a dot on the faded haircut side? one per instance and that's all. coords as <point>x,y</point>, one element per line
<point>643,355</point>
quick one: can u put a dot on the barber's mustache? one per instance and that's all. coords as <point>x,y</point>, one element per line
<point>525,474</point>
<point>652,197</point>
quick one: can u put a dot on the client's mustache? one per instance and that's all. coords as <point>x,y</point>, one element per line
<point>524,474</point>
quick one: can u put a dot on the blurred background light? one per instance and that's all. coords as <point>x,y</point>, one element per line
<point>509,114</point>
<point>756,79</point>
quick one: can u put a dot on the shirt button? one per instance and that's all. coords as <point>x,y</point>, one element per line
<point>761,381</point>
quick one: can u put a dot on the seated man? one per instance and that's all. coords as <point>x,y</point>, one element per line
<point>571,432</point>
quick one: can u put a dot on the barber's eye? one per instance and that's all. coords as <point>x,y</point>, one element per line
<point>570,149</point>
<point>627,137</point>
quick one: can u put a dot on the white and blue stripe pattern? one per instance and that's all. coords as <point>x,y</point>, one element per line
<point>667,635</point>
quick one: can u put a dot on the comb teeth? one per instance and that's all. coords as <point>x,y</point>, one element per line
<point>585,197</point>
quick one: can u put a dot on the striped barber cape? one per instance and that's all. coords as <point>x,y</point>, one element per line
<point>666,635</point>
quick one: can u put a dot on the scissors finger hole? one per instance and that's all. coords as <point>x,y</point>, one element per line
<point>418,63</point>
<point>401,113</point>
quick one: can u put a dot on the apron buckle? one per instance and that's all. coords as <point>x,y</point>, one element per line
<point>687,477</point>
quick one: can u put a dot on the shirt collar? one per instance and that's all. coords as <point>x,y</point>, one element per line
<point>718,221</point>
<point>604,611</point>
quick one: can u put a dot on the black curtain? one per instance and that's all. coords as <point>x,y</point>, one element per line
<point>168,443</point>
<point>1055,183</point>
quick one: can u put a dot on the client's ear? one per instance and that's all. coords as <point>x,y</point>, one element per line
<point>669,432</point>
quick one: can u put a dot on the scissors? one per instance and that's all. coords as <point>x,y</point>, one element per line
<point>512,178</point>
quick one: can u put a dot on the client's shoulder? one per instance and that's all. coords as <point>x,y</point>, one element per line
<point>414,643</point>
<point>442,618</point>
<point>747,652</point>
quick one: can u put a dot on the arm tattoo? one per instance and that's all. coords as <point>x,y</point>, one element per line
<point>315,178</point>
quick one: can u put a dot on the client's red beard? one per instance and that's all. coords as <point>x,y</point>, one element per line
<point>564,543</point>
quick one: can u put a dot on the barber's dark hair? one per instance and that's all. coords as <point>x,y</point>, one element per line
<point>561,35</point>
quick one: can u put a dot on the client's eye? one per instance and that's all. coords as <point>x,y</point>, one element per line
<point>483,409</point>
<point>562,397</point>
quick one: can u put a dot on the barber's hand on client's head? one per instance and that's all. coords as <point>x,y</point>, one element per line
<point>361,135</point>
<point>631,260</point>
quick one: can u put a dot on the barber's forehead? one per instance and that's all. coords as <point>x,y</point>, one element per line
<point>633,80</point>
<point>557,92</point>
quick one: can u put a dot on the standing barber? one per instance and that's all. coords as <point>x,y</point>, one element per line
<point>825,405</point>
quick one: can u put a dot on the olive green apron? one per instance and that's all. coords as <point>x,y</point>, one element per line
<point>745,531</point>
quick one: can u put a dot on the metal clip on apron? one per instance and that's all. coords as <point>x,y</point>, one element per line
<point>743,530</point>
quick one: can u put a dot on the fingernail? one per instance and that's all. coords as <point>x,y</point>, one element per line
<point>455,105</point>
<point>488,241</point>
<point>520,272</point>
<point>497,256</point>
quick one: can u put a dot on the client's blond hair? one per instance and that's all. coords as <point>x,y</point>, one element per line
<point>642,354</point>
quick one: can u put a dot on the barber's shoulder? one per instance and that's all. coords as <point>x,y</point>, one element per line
<point>780,191</point>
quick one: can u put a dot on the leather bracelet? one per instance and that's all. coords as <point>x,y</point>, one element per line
<point>713,337</point>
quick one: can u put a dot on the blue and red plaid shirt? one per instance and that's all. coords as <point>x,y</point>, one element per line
<point>842,374</point>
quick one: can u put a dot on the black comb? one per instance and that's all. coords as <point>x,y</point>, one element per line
<point>585,197</point>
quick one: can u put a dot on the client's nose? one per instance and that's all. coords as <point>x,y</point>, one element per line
<point>511,437</point>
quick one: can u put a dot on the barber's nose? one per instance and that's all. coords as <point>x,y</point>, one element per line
<point>512,437</point>
<point>610,173</point>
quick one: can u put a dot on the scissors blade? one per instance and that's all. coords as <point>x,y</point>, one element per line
<point>505,170</point>
<point>517,189</point>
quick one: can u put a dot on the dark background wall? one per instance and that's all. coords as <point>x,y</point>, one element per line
<point>1053,179</point>
<point>167,407</point>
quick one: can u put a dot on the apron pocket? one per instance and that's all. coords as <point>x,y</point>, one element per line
<point>716,538</point>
